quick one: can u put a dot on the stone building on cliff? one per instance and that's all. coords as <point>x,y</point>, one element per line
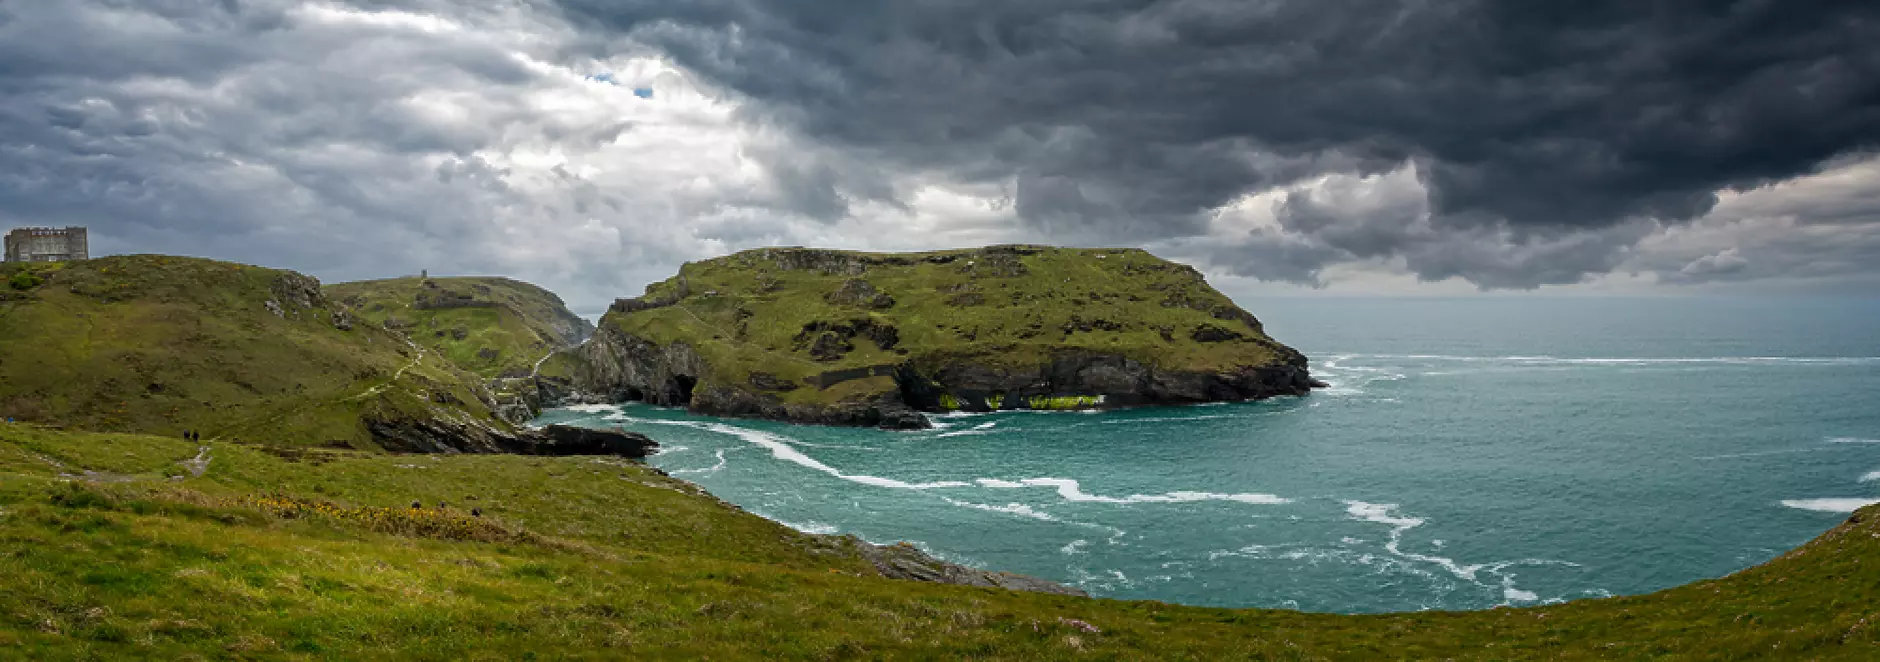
<point>46,245</point>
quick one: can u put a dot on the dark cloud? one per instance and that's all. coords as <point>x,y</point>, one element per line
<point>592,145</point>
<point>315,136</point>
<point>1822,229</point>
<point>1124,119</point>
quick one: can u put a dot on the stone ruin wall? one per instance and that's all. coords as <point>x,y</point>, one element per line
<point>46,245</point>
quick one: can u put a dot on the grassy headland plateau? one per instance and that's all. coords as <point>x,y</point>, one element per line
<point>494,327</point>
<point>851,338</point>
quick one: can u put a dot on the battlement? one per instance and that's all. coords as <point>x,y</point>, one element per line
<point>46,245</point>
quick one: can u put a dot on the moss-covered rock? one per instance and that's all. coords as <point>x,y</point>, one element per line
<point>871,339</point>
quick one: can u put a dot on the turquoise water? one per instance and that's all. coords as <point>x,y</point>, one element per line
<point>1470,453</point>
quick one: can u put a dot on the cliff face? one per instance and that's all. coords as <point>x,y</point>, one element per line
<point>842,338</point>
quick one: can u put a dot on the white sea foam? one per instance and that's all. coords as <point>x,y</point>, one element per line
<point>1351,380</point>
<point>809,527</point>
<point>1870,476</point>
<point>1842,505</point>
<point>781,449</point>
<point>1841,441</point>
<point>982,428</point>
<point>1019,509</point>
<point>1073,547</point>
<point>1314,555</point>
<point>593,409</point>
<point>1387,514</point>
<point>707,470</point>
<point>1070,490</point>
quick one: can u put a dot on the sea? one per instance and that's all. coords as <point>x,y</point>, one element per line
<point>1469,453</point>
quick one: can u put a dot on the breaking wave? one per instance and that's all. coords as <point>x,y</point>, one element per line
<point>1835,505</point>
<point>1388,514</point>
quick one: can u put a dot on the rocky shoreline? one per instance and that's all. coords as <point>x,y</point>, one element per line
<point>615,367</point>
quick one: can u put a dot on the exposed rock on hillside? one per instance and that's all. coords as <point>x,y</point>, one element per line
<point>905,561</point>
<point>446,434</point>
<point>843,338</point>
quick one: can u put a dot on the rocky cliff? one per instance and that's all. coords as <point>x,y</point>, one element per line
<point>844,338</point>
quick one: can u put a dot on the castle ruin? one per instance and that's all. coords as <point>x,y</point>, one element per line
<point>46,245</point>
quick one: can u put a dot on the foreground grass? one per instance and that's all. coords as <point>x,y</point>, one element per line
<point>603,559</point>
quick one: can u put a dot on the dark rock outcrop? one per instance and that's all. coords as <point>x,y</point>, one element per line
<point>617,367</point>
<point>614,366</point>
<point>297,292</point>
<point>1212,333</point>
<point>829,341</point>
<point>569,440</point>
<point>887,411</point>
<point>859,293</point>
<point>905,561</point>
<point>444,434</point>
<point>1118,381</point>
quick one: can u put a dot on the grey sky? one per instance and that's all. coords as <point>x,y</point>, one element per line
<point>592,146</point>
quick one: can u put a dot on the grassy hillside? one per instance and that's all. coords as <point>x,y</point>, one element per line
<point>798,323</point>
<point>318,555</point>
<point>490,326</point>
<point>161,344</point>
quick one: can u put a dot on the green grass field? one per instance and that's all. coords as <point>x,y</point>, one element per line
<point>599,558</point>
<point>507,328</point>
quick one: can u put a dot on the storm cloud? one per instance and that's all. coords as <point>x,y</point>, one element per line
<point>592,145</point>
<point>1525,123</point>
